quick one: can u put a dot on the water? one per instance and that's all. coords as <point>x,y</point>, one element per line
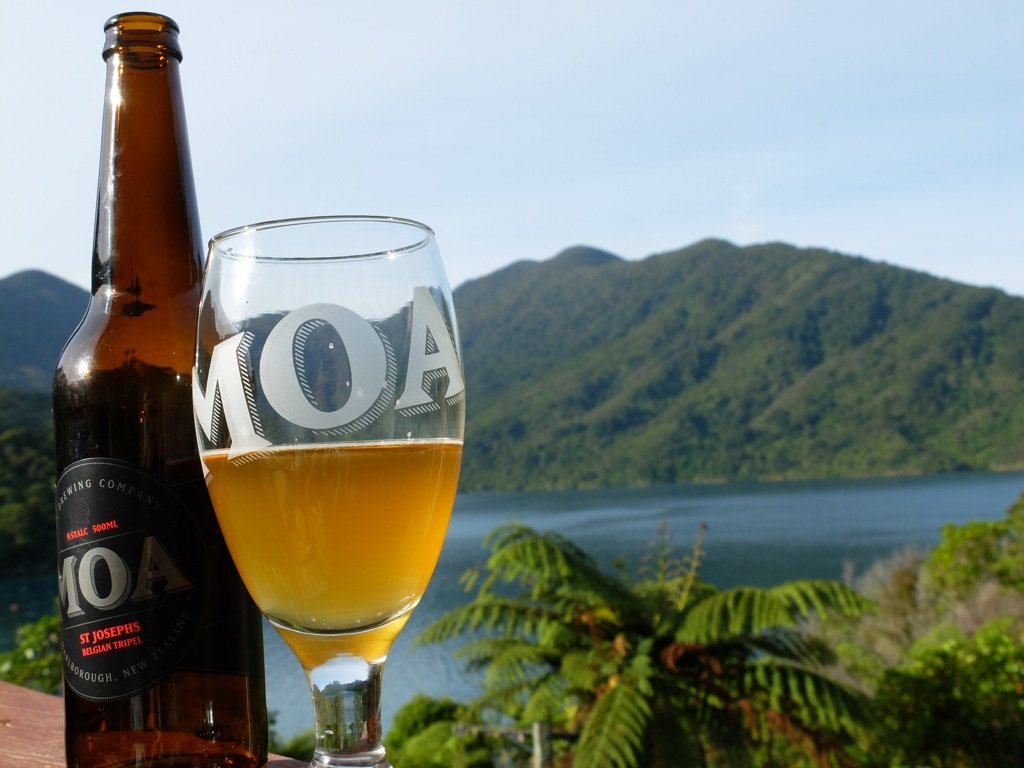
<point>756,534</point>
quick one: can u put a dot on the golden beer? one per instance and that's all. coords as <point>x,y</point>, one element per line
<point>339,537</point>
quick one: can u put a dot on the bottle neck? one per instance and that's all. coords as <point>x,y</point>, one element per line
<point>148,244</point>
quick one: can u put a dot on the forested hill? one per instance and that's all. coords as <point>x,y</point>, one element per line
<point>37,314</point>
<point>712,362</point>
<point>717,362</point>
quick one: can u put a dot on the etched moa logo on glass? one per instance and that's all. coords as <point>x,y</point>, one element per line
<point>324,371</point>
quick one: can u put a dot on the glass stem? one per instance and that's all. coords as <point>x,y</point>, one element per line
<point>344,676</point>
<point>346,704</point>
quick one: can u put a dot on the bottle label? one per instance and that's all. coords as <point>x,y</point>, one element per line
<point>134,578</point>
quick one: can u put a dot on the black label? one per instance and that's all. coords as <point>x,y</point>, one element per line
<point>134,578</point>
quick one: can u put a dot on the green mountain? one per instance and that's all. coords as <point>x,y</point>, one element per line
<point>709,363</point>
<point>37,314</point>
<point>716,362</point>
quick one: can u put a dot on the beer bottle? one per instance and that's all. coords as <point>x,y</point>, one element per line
<point>162,646</point>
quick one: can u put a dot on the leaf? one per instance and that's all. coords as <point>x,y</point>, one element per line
<point>615,732</point>
<point>487,612</point>
<point>811,699</point>
<point>819,597</point>
<point>745,612</point>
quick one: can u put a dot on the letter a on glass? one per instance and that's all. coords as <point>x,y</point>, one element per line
<point>431,356</point>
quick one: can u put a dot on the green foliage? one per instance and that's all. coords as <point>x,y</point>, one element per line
<point>424,735</point>
<point>29,410</point>
<point>419,712</point>
<point>943,656</point>
<point>720,363</point>
<point>27,542</point>
<point>617,727</point>
<point>660,671</point>
<point>35,660</point>
<point>960,703</point>
<point>665,669</point>
<point>970,553</point>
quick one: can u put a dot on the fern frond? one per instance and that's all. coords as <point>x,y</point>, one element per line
<point>506,701</point>
<point>811,700</point>
<point>555,634</point>
<point>582,670</point>
<point>817,597</point>
<point>552,566</point>
<point>750,611</point>
<point>520,553</point>
<point>482,652</point>
<point>640,668</point>
<point>517,664</point>
<point>615,731</point>
<point>788,643</point>
<point>512,694</point>
<point>489,612</point>
<point>739,612</point>
<point>469,578</point>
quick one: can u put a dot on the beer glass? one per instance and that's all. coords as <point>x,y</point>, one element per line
<point>328,394</point>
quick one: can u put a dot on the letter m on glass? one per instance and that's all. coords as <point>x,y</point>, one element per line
<point>229,399</point>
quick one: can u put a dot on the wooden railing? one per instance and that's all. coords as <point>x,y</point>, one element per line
<point>32,731</point>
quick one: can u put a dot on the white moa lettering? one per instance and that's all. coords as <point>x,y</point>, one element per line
<point>431,355</point>
<point>226,396</point>
<point>79,582</point>
<point>120,578</point>
<point>292,361</point>
<point>67,590</point>
<point>157,567</point>
<point>282,373</point>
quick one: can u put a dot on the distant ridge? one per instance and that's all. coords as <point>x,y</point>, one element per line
<point>583,256</point>
<point>38,312</point>
<point>715,362</point>
<point>708,363</point>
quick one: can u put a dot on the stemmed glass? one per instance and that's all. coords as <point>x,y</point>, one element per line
<point>329,400</point>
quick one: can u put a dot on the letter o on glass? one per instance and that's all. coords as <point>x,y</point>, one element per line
<point>279,378</point>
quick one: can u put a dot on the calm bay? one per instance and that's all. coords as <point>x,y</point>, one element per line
<point>757,534</point>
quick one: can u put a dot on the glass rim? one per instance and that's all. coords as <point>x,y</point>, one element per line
<point>299,221</point>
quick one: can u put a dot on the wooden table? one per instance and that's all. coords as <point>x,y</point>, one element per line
<point>32,731</point>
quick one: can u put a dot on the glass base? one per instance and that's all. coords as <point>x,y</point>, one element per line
<point>368,760</point>
<point>344,673</point>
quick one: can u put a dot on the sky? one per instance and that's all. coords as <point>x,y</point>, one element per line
<point>888,130</point>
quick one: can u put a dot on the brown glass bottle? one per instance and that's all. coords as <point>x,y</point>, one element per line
<point>163,650</point>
